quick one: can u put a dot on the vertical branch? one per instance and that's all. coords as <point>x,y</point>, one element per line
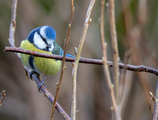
<point>64,56</point>
<point>114,46</point>
<point>142,12</point>
<point>13,25</point>
<point>106,70</point>
<point>155,114</point>
<point>75,66</point>
<point>122,76</point>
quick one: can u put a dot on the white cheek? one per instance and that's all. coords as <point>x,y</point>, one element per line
<point>39,43</point>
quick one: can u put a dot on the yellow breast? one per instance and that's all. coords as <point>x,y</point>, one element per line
<point>40,65</point>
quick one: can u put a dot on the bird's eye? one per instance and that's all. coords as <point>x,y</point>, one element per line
<point>48,46</point>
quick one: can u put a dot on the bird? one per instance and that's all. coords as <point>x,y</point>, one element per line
<point>42,39</point>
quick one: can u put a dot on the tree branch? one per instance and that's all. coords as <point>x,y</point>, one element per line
<point>64,56</point>
<point>75,65</point>
<point>138,68</point>
<point>129,67</point>
<point>13,25</point>
<point>105,65</point>
<point>155,114</point>
<point>50,97</point>
<point>115,53</point>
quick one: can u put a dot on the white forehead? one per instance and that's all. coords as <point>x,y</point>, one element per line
<point>42,31</point>
<point>38,42</point>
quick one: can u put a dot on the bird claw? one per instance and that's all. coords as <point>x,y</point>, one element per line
<point>40,84</point>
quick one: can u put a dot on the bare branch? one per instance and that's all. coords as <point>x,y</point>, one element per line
<point>105,65</point>
<point>74,75</point>
<point>64,56</point>
<point>13,24</point>
<point>50,97</point>
<point>155,114</point>
<point>115,53</point>
<point>139,68</point>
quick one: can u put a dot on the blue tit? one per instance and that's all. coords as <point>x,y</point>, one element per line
<point>42,39</point>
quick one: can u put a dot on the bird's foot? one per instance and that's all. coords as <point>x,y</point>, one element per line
<point>41,83</point>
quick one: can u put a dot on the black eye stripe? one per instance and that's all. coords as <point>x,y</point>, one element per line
<point>42,37</point>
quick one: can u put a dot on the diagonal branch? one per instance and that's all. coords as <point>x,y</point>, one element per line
<point>50,97</point>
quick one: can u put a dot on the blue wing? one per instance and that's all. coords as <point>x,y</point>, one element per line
<point>58,50</point>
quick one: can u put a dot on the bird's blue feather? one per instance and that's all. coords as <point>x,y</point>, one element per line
<point>31,34</point>
<point>50,33</point>
<point>69,55</point>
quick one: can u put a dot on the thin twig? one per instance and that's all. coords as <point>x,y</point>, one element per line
<point>122,76</point>
<point>142,12</point>
<point>155,114</point>
<point>106,70</point>
<point>37,80</point>
<point>13,25</point>
<point>115,53</point>
<point>138,68</point>
<point>3,97</point>
<point>82,39</point>
<point>125,85</point>
<point>134,34</point>
<point>64,56</point>
<point>153,98</point>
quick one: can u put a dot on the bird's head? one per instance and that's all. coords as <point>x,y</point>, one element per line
<point>43,38</point>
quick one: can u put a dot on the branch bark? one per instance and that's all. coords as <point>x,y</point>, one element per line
<point>115,53</point>
<point>64,56</point>
<point>138,68</point>
<point>75,66</point>
<point>155,114</point>
<point>105,65</point>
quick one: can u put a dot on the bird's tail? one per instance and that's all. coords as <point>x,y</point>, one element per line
<point>69,55</point>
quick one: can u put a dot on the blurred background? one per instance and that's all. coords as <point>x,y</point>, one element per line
<point>136,23</point>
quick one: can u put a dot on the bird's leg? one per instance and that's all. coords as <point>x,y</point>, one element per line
<point>42,83</point>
